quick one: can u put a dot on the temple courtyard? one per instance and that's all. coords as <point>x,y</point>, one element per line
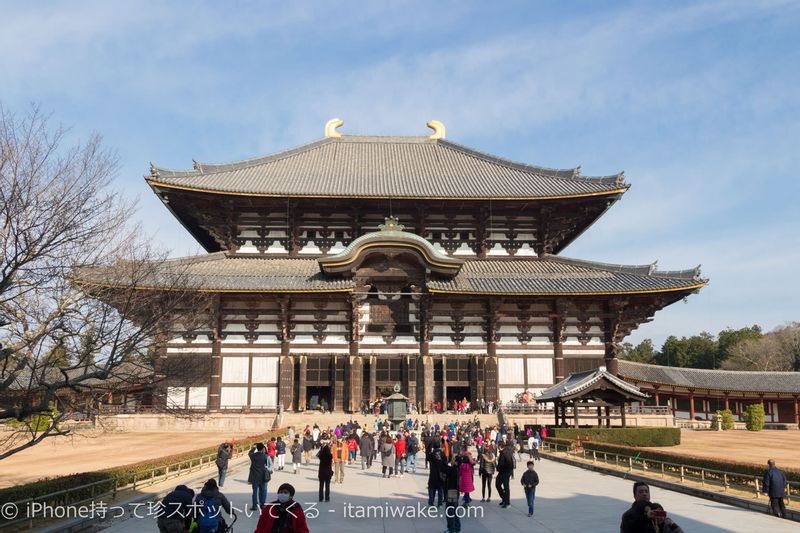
<point>568,499</point>
<point>744,446</point>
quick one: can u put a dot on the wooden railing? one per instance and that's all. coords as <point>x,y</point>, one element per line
<point>681,473</point>
<point>109,489</point>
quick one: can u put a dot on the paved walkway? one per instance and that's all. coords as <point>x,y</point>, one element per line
<point>568,499</point>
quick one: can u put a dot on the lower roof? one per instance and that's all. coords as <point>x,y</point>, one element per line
<point>533,276</point>
<point>718,380</point>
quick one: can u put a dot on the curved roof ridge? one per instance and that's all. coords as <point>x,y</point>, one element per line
<point>646,270</point>
<point>213,168</point>
<point>562,173</point>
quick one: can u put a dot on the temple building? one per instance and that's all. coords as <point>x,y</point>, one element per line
<point>353,263</point>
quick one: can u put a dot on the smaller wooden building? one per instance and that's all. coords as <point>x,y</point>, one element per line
<point>696,394</point>
<point>586,391</point>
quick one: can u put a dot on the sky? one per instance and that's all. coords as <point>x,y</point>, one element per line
<point>698,102</point>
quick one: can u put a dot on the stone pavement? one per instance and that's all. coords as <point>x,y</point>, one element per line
<point>568,499</point>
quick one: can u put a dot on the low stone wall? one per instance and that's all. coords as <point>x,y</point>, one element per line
<point>216,422</point>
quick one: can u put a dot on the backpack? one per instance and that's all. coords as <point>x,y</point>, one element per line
<point>209,517</point>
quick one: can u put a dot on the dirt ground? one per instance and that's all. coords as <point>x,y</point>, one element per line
<point>86,452</point>
<point>740,445</point>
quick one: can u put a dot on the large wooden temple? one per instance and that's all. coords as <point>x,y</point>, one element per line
<point>353,263</point>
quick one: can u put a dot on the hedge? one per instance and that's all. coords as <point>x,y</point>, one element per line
<point>644,437</point>
<point>126,473</point>
<point>736,467</point>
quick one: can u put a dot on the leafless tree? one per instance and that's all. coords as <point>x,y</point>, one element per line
<point>75,318</point>
<point>778,350</point>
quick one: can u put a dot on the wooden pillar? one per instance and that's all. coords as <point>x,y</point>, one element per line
<point>622,413</point>
<point>796,411</point>
<point>354,373</point>
<point>301,383</point>
<point>355,381</point>
<point>575,412</point>
<point>373,377</point>
<point>608,417</point>
<point>727,402</point>
<point>673,402</point>
<point>558,342</point>
<point>492,381</point>
<point>286,365</point>
<point>610,325</point>
<point>338,403</point>
<point>286,377</point>
<point>599,416</point>
<point>691,406</point>
<point>215,384</point>
<point>658,403</point>
<point>445,400</point>
<point>426,396</point>
<point>473,379</point>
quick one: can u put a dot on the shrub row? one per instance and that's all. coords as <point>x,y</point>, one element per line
<point>644,437</point>
<point>736,467</point>
<point>124,474</point>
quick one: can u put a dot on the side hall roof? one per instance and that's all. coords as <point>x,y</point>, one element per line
<point>719,380</point>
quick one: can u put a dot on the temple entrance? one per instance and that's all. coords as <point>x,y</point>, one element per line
<point>456,394</point>
<point>317,397</point>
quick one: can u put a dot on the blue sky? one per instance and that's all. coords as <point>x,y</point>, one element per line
<point>698,103</point>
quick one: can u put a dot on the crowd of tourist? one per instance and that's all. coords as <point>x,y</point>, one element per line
<point>450,454</point>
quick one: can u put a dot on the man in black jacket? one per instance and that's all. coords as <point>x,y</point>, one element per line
<point>224,453</point>
<point>450,471</point>
<point>505,467</point>
<point>175,512</point>
<point>635,519</point>
<point>775,487</point>
<point>435,476</point>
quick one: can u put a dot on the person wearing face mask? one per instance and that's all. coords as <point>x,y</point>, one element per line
<point>284,515</point>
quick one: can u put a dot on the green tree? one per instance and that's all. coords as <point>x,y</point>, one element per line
<point>754,417</point>
<point>729,337</point>
<point>697,351</point>
<point>641,353</point>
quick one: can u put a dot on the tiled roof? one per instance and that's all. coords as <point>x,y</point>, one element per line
<point>721,380</point>
<point>386,167</point>
<point>559,275</point>
<point>576,383</point>
<point>551,275</point>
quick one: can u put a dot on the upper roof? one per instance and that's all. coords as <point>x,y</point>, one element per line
<point>550,275</point>
<point>354,166</point>
<point>720,380</point>
<point>578,384</point>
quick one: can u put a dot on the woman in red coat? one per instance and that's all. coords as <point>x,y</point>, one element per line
<point>284,514</point>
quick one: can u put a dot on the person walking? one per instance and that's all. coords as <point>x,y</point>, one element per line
<point>400,455</point>
<point>774,486</point>
<point>388,456</point>
<point>308,446</point>
<point>505,467</point>
<point>208,507</point>
<point>412,449</point>
<point>325,472</point>
<point>436,461</point>
<point>352,448</point>
<point>297,454</point>
<point>466,472</point>
<point>487,468</point>
<point>451,473</point>
<point>224,453</point>
<point>284,514</point>
<point>530,479</point>
<point>280,453</point>
<point>260,474</point>
<point>340,454</point>
<point>367,450</point>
